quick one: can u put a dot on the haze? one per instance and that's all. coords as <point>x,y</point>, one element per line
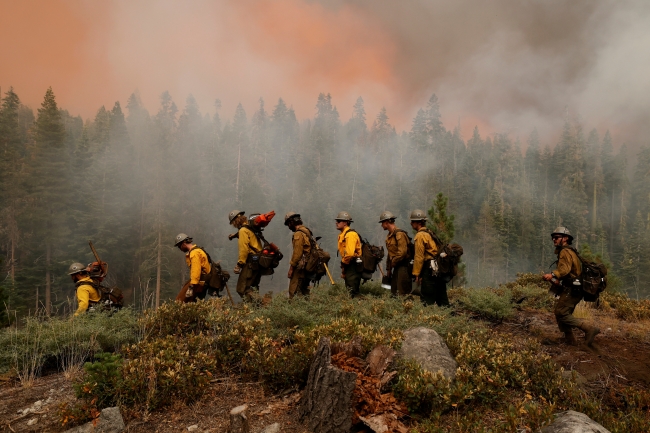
<point>503,65</point>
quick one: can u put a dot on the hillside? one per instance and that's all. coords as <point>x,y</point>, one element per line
<point>186,365</point>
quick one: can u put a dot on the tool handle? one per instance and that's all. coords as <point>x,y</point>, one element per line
<point>328,274</point>
<point>229,295</point>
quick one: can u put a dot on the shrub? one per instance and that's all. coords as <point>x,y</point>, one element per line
<point>102,380</point>
<point>63,341</point>
<point>625,307</point>
<point>489,303</point>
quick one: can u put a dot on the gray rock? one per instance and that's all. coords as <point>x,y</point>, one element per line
<point>429,350</point>
<point>110,421</point>
<point>579,380</point>
<point>574,422</point>
<point>273,428</point>
<point>38,404</point>
<point>32,421</point>
<point>193,427</point>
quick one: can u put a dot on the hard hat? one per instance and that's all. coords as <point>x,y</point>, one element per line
<point>343,216</point>
<point>75,268</point>
<point>234,214</point>
<point>418,215</point>
<point>564,232</point>
<point>385,216</point>
<point>180,238</point>
<point>290,215</point>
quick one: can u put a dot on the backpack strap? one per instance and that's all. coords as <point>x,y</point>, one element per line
<point>258,235</point>
<point>206,253</point>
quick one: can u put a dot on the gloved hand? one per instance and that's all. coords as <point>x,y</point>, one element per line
<point>237,270</point>
<point>190,292</point>
<point>290,273</point>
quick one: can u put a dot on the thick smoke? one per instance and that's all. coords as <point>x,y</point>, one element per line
<point>503,65</point>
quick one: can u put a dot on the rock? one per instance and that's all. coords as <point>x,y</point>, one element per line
<point>193,427</point>
<point>19,411</point>
<point>110,421</point>
<point>32,421</point>
<point>428,349</point>
<point>579,380</point>
<point>273,428</point>
<point>49,400</point>
<point>574,422</point>
<point>38,404</point>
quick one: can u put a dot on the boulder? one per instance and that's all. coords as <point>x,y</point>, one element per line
<point>273,428</point>
<point>574,422</point>
<point>110,421</point>
<point>429,350</point>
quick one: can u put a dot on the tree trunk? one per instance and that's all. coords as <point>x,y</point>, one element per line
<point>48,277</point>
<point>239,420</point>
<point>158,268</point>
<point>326,405</point>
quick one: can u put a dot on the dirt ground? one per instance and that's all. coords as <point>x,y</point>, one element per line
<point>620,357</point>
<point>210,414</point>
<point>620,353</point>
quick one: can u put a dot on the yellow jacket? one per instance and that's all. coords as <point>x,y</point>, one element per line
<point>197,261</point>
<point>425,249</point>
<point>397,247</point>
<point>349,246</point>
<point>301,245</point>
<point>248,244</point>
<point>568,264</point>
<point>86,294</point>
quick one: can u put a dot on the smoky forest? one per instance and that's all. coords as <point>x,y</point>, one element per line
<point>130,180</point>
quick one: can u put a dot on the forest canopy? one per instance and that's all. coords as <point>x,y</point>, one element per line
<point>130,180</point>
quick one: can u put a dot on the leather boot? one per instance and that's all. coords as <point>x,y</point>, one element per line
<point>590,333</point>
<point>569,338</point>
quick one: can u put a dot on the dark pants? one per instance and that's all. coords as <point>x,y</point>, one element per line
<point>564,308</point>
<point>433,289</point>
<point>400,280</point>
<point>352,278</point>
<point>299,283</point>
<point>248,283</point>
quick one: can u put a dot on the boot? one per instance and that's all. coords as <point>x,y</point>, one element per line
<point>590,333</point>
<point>569,338</point>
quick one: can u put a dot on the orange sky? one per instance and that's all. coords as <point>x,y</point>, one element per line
<point>504,65</point>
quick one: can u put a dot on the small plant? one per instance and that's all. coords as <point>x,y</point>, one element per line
<point>489,303</point>
<point>102,381</point>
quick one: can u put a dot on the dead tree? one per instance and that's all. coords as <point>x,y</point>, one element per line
<point>326,405</point>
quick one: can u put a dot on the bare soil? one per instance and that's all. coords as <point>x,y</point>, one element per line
<point>211,414</point>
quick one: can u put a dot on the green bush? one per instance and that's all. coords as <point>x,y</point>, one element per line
<point>102,380</point>
<point>63,341</point>
<point>490,304</point>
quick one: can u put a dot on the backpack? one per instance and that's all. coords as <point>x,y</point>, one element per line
<point>270,256</point>
<point>593,277</point>
<point>371,256</point>
<point>217,278</point>
<point>317,259</point>
<point>410,247</point>
<point>110,298</point>
<point>447,264</point>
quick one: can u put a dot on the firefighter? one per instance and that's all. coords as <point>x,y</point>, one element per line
<point>298,279</point>
<point>398,260</point>
<point>349,246</point>
<point>433,289</point>
<point>566,284</point>
<point>199,263</point>
<point>87,295</point>
<point>247,267</point>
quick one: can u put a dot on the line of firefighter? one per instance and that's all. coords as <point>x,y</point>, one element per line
<point>565,278</point>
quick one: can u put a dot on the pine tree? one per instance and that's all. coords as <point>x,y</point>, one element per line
<point>49,187</point>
